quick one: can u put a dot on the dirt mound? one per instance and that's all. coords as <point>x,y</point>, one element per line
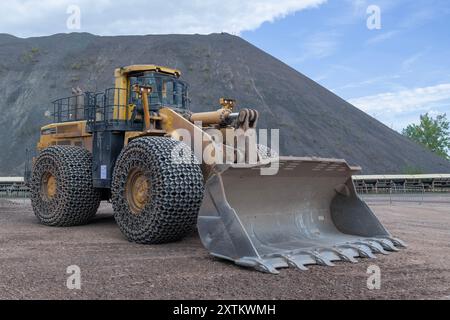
<point>312,120</point>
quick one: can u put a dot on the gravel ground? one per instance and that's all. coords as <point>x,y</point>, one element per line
<point>34,258</point>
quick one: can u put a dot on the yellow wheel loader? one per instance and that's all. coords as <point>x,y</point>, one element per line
<point>166,173</point>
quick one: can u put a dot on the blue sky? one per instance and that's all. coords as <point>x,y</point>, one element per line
<point>394,74</point>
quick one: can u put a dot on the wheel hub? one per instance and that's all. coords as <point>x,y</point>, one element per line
<point>48,186</point>
<point>137,191</point>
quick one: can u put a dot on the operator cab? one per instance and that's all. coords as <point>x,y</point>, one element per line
<point>166,90</point>
<point>121,108</point>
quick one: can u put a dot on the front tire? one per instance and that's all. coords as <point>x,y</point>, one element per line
<point>62,193</point>
<point>155,199</point>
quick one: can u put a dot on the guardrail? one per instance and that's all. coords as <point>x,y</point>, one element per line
<point>14,193</point>
<point>411,195</point>
<point>417,195</point>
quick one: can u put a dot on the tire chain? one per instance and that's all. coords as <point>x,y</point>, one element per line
<point>176,192</point>
<point>266,153</point>
<point>76,200</point>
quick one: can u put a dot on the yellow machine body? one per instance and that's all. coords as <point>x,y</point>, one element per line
<point>66,133</point>
<point>307,213</point>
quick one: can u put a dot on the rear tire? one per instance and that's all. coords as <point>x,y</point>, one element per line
<point>155,199</point>
<point>62,194</point>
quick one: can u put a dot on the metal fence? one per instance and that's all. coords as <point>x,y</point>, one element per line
<point>73,108</point>
<point>416,195</point>
<point>14,192</point>
<point>390,196</point>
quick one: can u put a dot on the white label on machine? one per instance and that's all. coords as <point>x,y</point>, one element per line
<point>103,174</point>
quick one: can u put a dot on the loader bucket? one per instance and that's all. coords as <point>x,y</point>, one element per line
<point>308,213</point>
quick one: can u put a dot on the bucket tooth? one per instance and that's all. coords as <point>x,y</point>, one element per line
<point>315,255</point>
<point>387,244</point>
<point>321,260</point>
<point>290,260</point>
<point>398,243</point>
<point>343,255</point>
<point>267,268</point>
<point>375,247</point>
<point>363,250</point>
<point>258,264</point>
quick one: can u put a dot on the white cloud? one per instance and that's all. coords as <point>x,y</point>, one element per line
<point>359,7</point>
<point>368,82</point>
<point>423,14</point>
<point>106,17</point>
<point>382,37</point>
<point>317,46</point>
<point>408,63</point>
<point>406,100</point>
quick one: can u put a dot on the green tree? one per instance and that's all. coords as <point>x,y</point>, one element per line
<point>433,133</point>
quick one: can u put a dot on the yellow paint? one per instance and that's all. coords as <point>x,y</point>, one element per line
<point>51,186</point>
<point>122,84</point>
<point>228,104</point>
<point>65,133</point>
<point>124,71</point>
<point>165,123</point>
<point>144,91</point>
<point>137,191</point>
<point>48,186</point>
<point>212,117</point>
<point>130,135</point>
